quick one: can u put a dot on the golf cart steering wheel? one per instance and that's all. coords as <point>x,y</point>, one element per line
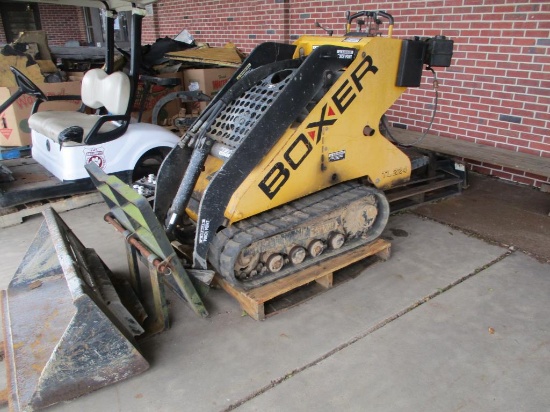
<point>26,85</point>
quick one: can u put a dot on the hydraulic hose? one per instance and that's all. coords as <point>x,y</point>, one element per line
<point>417,141</point>
<point>202,145</point>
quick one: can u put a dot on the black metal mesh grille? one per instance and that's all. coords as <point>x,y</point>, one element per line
<point>239,117</point>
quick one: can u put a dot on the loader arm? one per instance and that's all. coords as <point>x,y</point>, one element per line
<point>175,164</point>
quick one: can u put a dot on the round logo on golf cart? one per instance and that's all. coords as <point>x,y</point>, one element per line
<point>96,155</point>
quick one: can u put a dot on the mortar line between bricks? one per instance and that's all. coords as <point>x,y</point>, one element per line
<point>420,302</point>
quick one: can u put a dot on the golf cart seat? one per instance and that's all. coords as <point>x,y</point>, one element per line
<point>99,90</point>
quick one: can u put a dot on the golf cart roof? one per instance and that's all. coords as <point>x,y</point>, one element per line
<point>118,5</point>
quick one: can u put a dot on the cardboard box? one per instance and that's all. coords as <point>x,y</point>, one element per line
<point>14,125</point>
<point>209,81</point>
<point>75,76</point>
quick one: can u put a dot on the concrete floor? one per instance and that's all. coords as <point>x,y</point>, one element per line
<point>500,212</point>
<point>450,322</point>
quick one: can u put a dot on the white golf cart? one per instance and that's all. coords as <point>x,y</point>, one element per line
<point>63,142</point>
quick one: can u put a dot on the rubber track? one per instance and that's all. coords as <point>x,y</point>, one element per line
<point>229,242</point>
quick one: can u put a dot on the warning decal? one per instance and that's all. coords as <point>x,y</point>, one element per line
<point>96,155</point>
<point>6,132</point>
<point>335,156</point>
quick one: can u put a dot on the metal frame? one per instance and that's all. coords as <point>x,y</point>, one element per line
<point>159,320</point>
<point>146,238</point>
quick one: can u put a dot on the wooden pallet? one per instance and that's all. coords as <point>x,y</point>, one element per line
<point>14,215</point>
<point>321,277</point>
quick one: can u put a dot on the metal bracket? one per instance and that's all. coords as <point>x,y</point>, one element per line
<point>132,212</point>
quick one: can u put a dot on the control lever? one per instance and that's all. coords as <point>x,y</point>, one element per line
<point>329,32</point>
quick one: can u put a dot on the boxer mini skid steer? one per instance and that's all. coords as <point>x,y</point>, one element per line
<point>287,167</point>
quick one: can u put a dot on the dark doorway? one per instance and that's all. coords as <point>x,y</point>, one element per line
<point>18,17</point>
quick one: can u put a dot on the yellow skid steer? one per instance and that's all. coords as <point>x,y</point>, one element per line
<point>288,167</point>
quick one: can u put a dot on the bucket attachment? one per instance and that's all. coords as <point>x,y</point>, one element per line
<point>66,331</point>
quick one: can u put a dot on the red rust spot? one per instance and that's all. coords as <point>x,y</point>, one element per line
<point>35,284</point>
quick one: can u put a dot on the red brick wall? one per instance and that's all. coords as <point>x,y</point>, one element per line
<point>497,92</point>
<point>245,23</point>
<point>62,23</point>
